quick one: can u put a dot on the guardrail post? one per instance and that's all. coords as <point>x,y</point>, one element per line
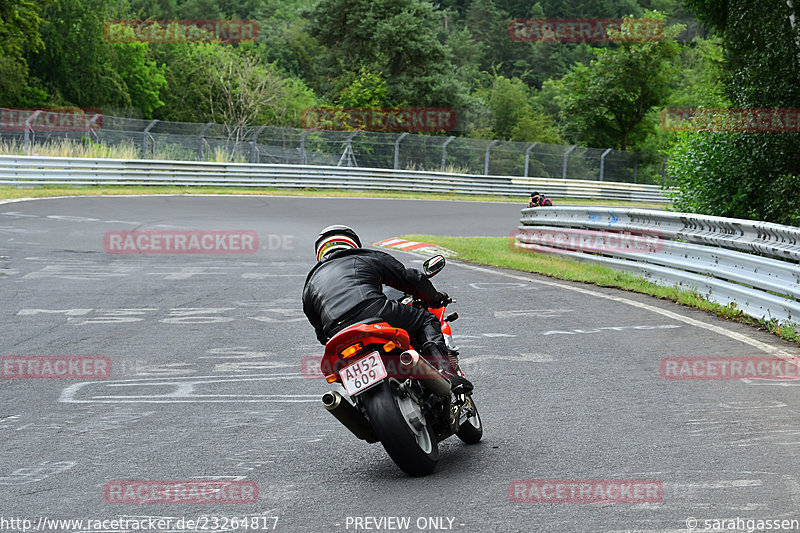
<point>444,149</point>
<point>146,135</point>
<point>29,130</point>
<point>303,155</point>
<point>348,157</point>
<point>603,162</point>
<point>566,155</point>
<point>89,129</point>
<point>486,160</point>
<point>528,156</point>
<point>254,151</point>
<point>397,149</point>
<point>203,142</point>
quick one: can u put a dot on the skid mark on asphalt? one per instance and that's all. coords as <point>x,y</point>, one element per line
<point>35,473</point>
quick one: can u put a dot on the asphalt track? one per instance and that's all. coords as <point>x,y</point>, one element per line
<point>207,384</point>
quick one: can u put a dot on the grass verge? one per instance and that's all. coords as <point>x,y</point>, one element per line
<point>495,251</point>
<point>9,193</point>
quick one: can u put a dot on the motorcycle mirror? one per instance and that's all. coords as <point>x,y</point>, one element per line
<point>433,266</point>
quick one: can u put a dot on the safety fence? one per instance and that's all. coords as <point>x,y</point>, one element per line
<point>32,171</point>
<point>185,141</point>
<point>750,265</point>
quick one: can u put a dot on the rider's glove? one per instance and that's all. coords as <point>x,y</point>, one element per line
<point>440,300</point>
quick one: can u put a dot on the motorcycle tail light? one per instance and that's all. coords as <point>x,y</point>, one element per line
<point>331,378</point>
<point>389,346</point>
<point>351,350</point>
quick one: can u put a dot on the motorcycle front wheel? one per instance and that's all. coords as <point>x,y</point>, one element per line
<point>471,429</point>
<point>402,429</point>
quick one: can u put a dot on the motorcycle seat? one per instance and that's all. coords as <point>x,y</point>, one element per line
<point>371,320</point>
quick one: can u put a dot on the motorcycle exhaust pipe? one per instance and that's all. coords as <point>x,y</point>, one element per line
<point>348,415</point>
<point>428,376</point>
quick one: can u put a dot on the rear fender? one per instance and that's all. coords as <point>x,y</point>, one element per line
<point>366,334</point>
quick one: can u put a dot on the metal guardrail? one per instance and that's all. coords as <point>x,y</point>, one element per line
<point>31,171</point>
<point>730,261</point>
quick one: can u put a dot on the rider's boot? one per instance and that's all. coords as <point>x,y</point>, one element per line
<point>446,361</point>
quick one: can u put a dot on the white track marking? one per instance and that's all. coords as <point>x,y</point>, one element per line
<point>184,390</point>
<point>764,347</point>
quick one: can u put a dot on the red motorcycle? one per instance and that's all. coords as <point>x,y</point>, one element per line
<point>395,395</point>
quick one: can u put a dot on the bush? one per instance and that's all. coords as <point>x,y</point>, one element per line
<point>734,174</point>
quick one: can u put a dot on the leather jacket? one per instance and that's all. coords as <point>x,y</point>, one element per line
<point>348,280</point>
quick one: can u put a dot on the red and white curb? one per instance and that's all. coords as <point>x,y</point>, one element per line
<point>416,247</point>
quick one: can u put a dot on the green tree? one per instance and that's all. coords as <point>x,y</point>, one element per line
<point>367,89</point>
<point>288,42</point>
<point>702,70</point>
<point>550,98</point>
<point>514,116</point>
<point>200,10</point>
<point>76,64</point>
<point>536,126</point>
<point>532,62</point>
<point>144,80</point>
<point>212,82</point>
<point>610,97</point>
<point>188,70</point>
<point>489,28</point>
<point>508,100</point>
<point>19,33</point>
<point>464,50</point>
<point>747,174</point>
<point>153,9</point>
<point>396,37</point>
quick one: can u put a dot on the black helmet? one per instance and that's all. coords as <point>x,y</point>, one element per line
<point>334,238</point>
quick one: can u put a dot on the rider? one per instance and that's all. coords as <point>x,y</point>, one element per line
<point>346,286</point>
<point>538,200</point>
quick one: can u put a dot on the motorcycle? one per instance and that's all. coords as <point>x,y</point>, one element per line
<point>394,395</point>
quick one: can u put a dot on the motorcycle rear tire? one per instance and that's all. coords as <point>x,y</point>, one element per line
<point>396,436</point>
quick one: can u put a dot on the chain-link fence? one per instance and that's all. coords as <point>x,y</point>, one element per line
<point>154,139</point>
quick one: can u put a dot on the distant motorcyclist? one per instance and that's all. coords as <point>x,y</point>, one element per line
<point>537,200</point>
<point>346,286</point>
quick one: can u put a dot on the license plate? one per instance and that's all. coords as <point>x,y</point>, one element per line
<point>363,373</point>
